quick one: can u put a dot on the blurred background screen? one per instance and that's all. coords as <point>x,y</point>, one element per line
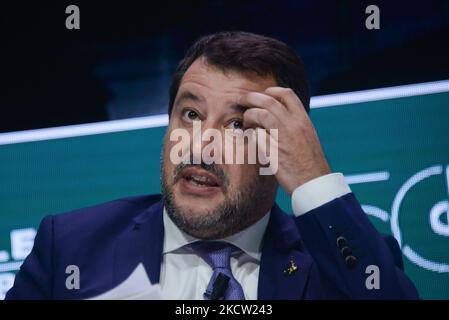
<point>83,112</point>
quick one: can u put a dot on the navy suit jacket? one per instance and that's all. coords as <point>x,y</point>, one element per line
<point>108,241</point>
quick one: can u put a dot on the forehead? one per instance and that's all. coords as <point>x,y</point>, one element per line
<point>205,79</point>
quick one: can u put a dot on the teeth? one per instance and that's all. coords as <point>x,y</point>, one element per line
<point>199,178</point>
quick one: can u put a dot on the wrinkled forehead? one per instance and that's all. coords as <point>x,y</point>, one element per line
<point>207,83</point>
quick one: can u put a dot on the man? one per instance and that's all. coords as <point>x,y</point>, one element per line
<point>217,232</point>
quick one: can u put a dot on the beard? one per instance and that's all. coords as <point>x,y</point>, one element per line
<point>239,209</point>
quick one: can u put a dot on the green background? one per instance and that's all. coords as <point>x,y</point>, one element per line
<point>401,136</point>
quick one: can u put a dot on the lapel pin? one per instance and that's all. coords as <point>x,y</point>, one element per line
<point>292,268</point>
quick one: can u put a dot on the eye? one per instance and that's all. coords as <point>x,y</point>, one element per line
<point>191,115</point>
<point>236,124</point>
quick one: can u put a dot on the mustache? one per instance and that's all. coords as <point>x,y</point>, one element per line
<point>212,168</point>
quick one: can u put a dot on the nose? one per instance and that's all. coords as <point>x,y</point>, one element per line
<point>206,143</point>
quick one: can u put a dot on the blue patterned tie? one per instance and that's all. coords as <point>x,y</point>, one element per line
<point>218,256</point>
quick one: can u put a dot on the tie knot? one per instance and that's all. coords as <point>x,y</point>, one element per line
<point>216,254</point>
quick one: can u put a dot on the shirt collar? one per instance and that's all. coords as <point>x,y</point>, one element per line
<point>248,240</point>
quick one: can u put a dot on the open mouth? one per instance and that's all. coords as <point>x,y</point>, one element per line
<point>200,177</point>
<point>197,181</point>
<point>201,181</point>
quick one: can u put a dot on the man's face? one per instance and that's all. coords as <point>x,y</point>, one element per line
<point>216,200</point>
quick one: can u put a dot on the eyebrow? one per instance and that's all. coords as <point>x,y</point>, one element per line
<point>237,108</point>
<point>187,95</point>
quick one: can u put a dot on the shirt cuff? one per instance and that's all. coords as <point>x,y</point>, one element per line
<point>317,192</point>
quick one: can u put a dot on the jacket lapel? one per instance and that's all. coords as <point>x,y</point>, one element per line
<point>282,249</point>
<point>141,243</point>
<point>143,240</point>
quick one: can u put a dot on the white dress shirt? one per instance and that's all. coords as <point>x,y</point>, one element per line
<point>184,275</point>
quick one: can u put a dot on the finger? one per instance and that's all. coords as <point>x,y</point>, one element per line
<point>262,118</point>
<point>287,97</point>
<point>267,151</point>
<point>263,101</point>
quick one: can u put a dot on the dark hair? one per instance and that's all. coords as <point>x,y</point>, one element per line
<point>247,52</point>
